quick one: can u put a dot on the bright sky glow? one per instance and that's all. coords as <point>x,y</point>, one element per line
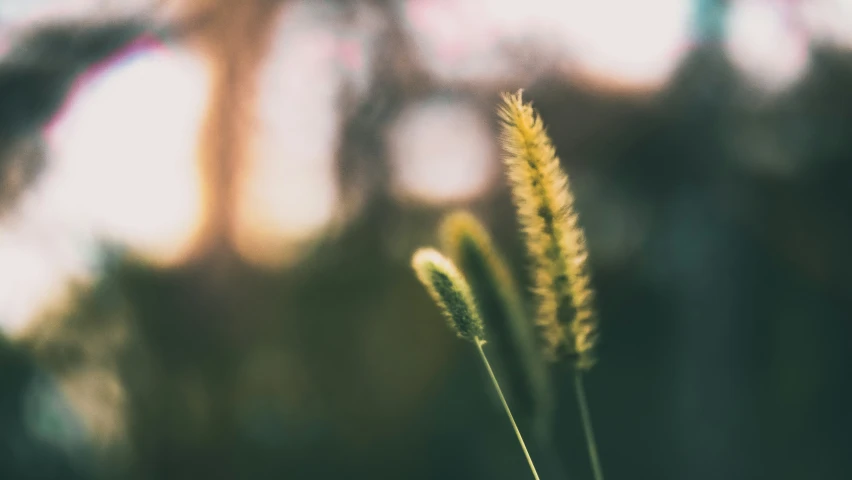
<point>763,44</point>
<point>124,154</point>
<point>631,45</point>
<point>288,193</point>
<point>20,12</point>
<point>121,167</point>
<point>441,151</point>
<point>634,45</point>
<point>829,21</point>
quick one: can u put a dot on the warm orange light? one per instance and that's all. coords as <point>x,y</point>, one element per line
<point>287,192</point>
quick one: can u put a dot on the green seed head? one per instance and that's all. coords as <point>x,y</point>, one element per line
<point>450,291</point>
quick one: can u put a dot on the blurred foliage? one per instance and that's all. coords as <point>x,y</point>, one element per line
<point>717,222</point>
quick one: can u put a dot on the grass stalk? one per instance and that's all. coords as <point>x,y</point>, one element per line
<point>506,406</point>
<point>587,425</point>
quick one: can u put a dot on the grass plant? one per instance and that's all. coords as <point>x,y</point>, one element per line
<point>561,284</point>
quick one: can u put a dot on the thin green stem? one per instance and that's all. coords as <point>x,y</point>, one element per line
<point>479,343</point>
<point>587,425</point>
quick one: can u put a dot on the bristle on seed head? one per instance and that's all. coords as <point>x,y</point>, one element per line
<point>555,241</point>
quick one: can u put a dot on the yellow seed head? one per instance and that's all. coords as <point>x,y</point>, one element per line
<point>555,242</point>
<point>450,291</point>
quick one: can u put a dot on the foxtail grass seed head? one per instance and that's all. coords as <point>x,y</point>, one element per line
<point>555,242</point>
<point>469,245</point>
<point>450,291</point>
<point>467,242</point>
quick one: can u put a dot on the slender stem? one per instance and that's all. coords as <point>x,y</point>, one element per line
<point>479,343</point>
<point>587,425</point>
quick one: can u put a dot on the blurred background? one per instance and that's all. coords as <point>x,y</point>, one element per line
<point>208,207</point>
